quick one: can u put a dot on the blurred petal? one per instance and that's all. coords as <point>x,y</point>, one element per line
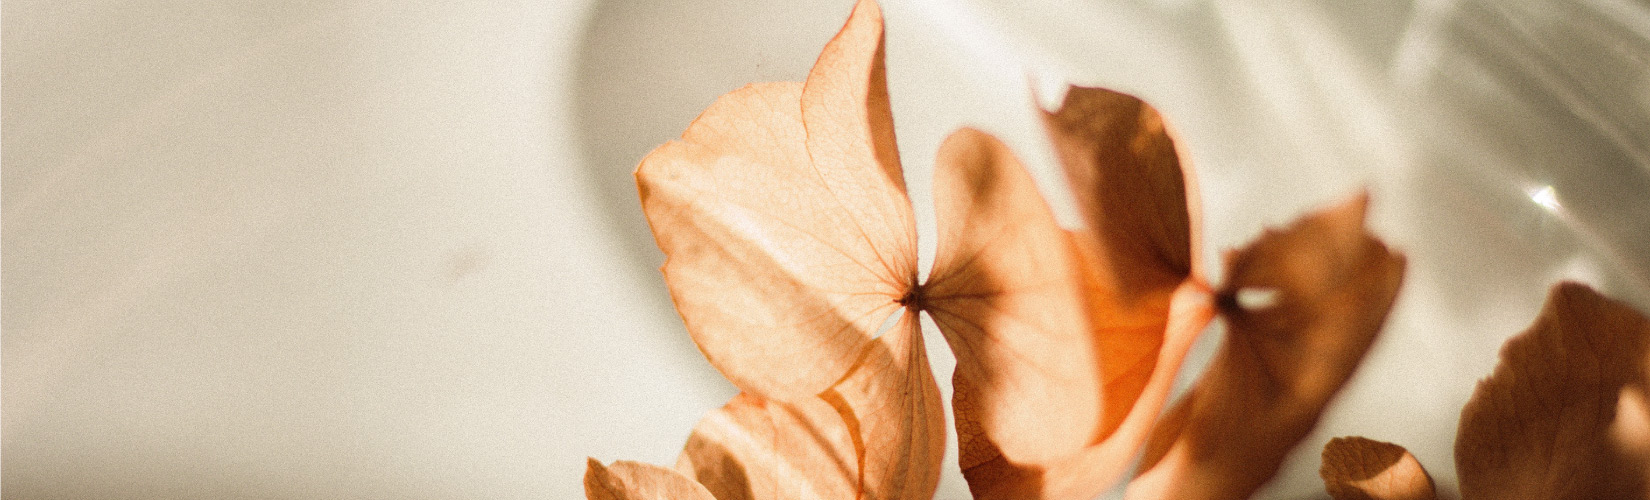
<point>1329,286</point>
<point>1551,421</point>
<point>787,232</point>
<point>626,480</point>
<point>1355,468</point>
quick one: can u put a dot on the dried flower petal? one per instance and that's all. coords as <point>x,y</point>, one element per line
<point>877,434</point>
<point>1562,417</point>
<point>626,480</point>
<point>1006,293</point>
<point>1139,229</point>
<point>783,217</point>
<point>1356,468</point>
<point>1333,285</point>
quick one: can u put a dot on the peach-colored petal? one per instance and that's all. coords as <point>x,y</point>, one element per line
<point>879,433</point>
<point>1096,468</point>
<point>757,449</point>
<point>1549,422</point>
<point>892,401</point>
<point>1302,306</point>
<point>1356,468</point>
<point>850,127</point>
<point>787,232</point>
<point>626,480</point>
<point>1006,292</point>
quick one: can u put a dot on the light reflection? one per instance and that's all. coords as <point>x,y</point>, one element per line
<point>1546,197</point>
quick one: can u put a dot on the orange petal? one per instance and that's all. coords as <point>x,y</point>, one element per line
<point>1005,291</point>
<point>1302,306</point>
<point>880,433</point>
<point>756,449</point>
<point>626,480</point>
<point>1139,230</point>
<point>1549,422</point>
<point>787,233</point>
<point>1356,468</point>
<point>1096,468</point>
<point>1143,295</point>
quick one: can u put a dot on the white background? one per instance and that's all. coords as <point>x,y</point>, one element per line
<point>383,249</point>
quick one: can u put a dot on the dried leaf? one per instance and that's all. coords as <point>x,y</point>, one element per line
<point>1563,416</point>
<point>1322,289</point>
<point>784,220</point>
<point>1355,468</point>
<point>877,434</point>
<point>626,480</point>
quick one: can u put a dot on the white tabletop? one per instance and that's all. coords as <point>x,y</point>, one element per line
<point>384,249</point>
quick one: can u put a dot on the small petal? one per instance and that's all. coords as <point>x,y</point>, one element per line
<point>1355,468</point>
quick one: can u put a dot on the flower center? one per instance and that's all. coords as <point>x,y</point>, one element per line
<point>914,299</point>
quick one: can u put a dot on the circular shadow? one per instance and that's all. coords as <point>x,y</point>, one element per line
<point>646,69</point>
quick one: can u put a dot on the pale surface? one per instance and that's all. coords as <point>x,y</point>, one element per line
<point>393,249</point>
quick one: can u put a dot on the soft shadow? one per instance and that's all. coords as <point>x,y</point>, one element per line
<point>646,69</point>
<point>1537,152</point>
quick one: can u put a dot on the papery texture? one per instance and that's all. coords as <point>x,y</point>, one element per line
<point>626,480</point>
<point>1006,292</point>
<point>1143,301</point>
<point>879,433</point>
<point>1356,468</point>
<point>1563,415</point>
<point>783,217</point>
<point>1139,229</point>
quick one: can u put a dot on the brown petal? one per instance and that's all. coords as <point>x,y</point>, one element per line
<point>1131,188</point>
<point>626,480</point>
<point>1140,228</point>
<point>1324,287</point>
<point>787,232</point>
<point>1552,422</point>
<point>879,433</point>
<point>1355,468</point>
<point>1005,291</point>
